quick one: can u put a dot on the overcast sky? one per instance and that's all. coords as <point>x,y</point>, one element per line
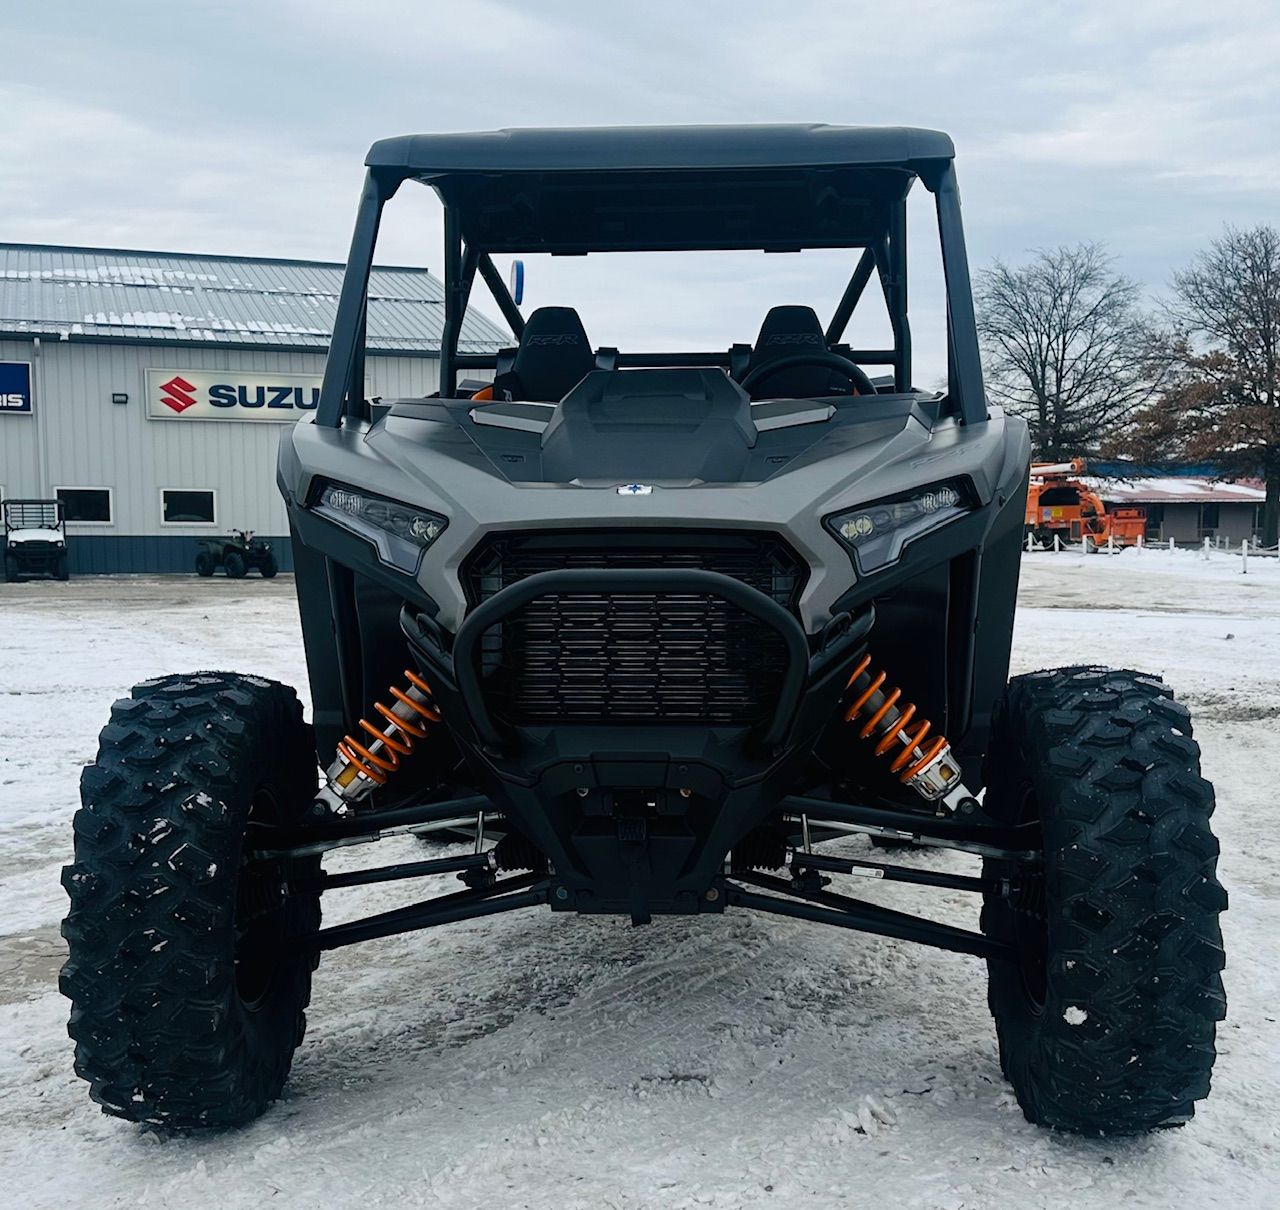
<point>241,127</point>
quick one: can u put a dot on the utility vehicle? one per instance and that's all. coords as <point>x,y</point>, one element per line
<point>35,539</point>
<point>237,554</point>
<point>660,625</point>
<point>1061,505</point>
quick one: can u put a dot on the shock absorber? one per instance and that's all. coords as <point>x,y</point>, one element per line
<point>362,765</point>
<point>921,760</point>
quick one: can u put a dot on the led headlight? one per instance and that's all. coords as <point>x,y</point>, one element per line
<point>400,532</point>
<point>877,532</point>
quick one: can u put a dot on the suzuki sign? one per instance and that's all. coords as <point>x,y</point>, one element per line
<point>230,395</point>
<point>15,388</point>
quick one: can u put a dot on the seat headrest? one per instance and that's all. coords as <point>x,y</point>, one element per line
<point>554,354</point>
<point>787,330</point>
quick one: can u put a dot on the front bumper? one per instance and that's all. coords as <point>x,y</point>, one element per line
<point>637,812</point>
<point>36,558</point>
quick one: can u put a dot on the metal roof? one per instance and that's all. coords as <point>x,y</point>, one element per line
<point>660,148</point>
<point>1177,489</point>
<point>105,294</point>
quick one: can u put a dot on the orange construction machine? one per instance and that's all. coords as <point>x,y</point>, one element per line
<point>1058,502</point>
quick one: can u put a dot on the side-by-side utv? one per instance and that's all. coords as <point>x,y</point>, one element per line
<point>35,539</point>
<point>658,626</point>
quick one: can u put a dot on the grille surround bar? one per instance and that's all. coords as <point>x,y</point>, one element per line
<point>656,582</point>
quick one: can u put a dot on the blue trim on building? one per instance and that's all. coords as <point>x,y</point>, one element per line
<point>133,554</point>
<point>1151,470</point>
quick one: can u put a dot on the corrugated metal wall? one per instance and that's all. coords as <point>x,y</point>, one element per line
<point>79,438</point>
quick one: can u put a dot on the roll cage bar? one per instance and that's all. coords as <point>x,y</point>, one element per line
<point>472,192</point>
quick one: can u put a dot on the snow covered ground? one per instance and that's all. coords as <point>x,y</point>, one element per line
<point>534,1060</point>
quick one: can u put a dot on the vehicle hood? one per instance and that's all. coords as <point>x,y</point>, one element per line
<point>18,536</point>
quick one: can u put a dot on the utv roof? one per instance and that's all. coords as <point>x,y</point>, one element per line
<point>668,188</point>
<point>661,148</point>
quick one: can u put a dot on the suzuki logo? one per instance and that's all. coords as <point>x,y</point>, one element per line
<point>177,394</point>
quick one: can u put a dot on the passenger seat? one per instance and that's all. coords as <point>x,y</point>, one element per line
<point>553,356</point>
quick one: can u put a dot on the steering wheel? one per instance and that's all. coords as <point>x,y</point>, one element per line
<point>862,385</point>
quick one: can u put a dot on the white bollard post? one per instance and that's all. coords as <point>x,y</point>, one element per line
<point>1111,544</point>
<point>1031,542</point>
<point>1140,543</point>
<point>1206,548</point>
<point>1172,545</point>
<point>1244,556</point>
<point>1057,543</point>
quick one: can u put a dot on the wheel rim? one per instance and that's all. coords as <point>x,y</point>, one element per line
<point>259,917</point>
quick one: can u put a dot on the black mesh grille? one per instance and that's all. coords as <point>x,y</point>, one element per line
<point>633,657</point>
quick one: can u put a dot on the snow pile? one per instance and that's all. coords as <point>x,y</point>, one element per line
<point>537,1060</point>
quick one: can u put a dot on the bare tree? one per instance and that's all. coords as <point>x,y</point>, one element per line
<point>1066,346</point>
<point>1222,404</point>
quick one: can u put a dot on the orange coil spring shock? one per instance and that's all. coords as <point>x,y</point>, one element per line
<point>892,723</point>
<point>406,722</point>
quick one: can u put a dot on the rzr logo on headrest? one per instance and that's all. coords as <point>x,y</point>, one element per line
<point>177,394</point>
<point>794,338</point>
<point>553,338</point>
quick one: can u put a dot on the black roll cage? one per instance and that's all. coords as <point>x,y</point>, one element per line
<point>342,393</point>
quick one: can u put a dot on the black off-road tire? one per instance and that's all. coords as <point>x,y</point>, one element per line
<point>64,568</point>
<point>11,573</point>
<point>235,565</point>
<point>1106,1024</point>
<point>187,995</point>
<point>204,564</point>
<point>268,567</point>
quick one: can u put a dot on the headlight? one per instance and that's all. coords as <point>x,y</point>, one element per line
<point>878,531</point>
<point>400,532</point>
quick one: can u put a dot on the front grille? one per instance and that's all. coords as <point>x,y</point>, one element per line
<point>633,657</point>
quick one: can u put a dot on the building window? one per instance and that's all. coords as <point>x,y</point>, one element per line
<point>86,505</point>
<point>1209,521</point>
<point>187,506</point>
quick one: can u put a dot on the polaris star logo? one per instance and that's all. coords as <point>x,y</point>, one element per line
<point>178,394</point>
<point>635,489</point>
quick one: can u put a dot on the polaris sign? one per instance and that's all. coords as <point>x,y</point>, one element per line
<point>15,388</point>
<point>230,395</point>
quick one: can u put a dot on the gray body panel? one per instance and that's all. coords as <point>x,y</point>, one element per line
<point>435,456</point>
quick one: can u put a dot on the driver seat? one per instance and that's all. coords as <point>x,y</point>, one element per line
<point>786,331</point>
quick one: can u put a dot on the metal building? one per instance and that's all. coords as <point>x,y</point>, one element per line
<point>1189,508</point>
<point>147,389</point>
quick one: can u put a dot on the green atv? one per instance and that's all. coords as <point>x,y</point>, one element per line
<point>237,554</point>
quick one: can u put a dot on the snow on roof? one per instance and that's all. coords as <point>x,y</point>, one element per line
<point>1176,489</point>
<point>180,298</point>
